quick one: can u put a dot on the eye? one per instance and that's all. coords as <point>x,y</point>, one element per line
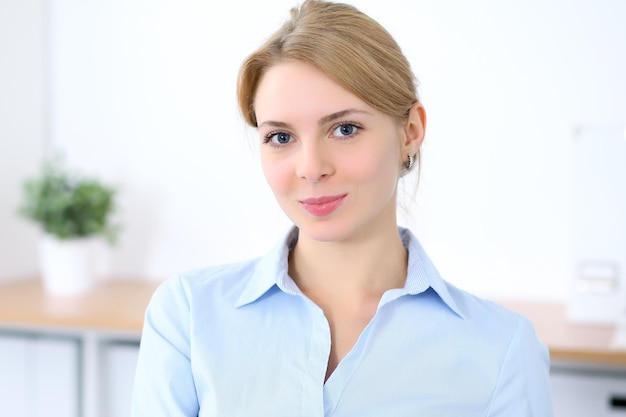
<point>277,138</point>
<point>345,130</point>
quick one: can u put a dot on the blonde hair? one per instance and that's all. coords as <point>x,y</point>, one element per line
<point>347,45</point>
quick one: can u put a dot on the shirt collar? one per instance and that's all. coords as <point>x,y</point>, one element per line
<point>422,274</point>
<point>273,270</point>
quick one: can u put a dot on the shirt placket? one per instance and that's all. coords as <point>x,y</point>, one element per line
<point>316,362</point>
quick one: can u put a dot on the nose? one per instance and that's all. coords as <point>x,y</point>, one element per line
<point>314,163</point>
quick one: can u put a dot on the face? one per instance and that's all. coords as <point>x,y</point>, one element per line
<point>332,161</point>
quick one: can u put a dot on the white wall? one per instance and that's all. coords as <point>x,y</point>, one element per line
<point>22,127</point>
<point>143,94</point>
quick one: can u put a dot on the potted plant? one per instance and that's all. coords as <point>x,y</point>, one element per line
<point>72,211</point>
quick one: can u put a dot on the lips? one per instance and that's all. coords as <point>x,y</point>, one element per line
<point>323,206</point>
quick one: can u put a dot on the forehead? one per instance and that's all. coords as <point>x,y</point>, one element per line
<point>296,89</point>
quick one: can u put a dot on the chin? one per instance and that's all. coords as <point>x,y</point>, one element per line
<point>325,230</point>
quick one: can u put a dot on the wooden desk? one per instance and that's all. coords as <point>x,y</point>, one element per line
<point>112,305</point>
<point>568,341</point>
<point>99,334</point>
<point>95,336</point>
<point>120,305</point>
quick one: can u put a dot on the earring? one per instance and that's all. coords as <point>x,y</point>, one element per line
<point>410,162</point>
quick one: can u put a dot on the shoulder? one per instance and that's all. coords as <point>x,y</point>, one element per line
<point>507,338</point>
<point>479,308</point>
<point>508,341</point>
<point>230,284</point>
<point>487,314</point>
<point>508,331</point>
<point>219,281</point>
<point>230,274</point>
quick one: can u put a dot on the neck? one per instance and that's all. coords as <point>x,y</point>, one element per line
<point>360,268</point>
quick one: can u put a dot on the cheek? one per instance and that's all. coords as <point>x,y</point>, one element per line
<point>377,165</point>
<point>276,174</point>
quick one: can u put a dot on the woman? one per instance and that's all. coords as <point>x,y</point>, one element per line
<point>347,316</point>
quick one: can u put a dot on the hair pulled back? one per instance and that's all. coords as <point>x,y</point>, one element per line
<point>347,45</point>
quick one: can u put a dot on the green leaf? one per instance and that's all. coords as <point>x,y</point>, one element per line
<point>69,206</point>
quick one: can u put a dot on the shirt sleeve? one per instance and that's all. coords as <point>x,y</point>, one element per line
<point>523,388</point>
<point>164,384</point>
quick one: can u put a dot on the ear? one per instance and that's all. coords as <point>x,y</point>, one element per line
<point>414,129</point>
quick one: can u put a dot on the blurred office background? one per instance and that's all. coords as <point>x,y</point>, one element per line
<point>141,93</point>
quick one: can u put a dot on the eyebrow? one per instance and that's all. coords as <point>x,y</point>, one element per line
<point>320,122</point>
<point>339,115</point>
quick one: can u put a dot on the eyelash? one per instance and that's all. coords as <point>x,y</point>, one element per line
<point>268,137</point>
<point>357,128</point>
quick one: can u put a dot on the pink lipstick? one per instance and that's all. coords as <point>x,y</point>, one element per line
<point>323,206</point>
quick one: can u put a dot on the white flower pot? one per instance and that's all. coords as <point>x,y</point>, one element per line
<point>66,265</point>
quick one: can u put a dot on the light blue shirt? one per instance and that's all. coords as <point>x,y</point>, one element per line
<point>243,340</point>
